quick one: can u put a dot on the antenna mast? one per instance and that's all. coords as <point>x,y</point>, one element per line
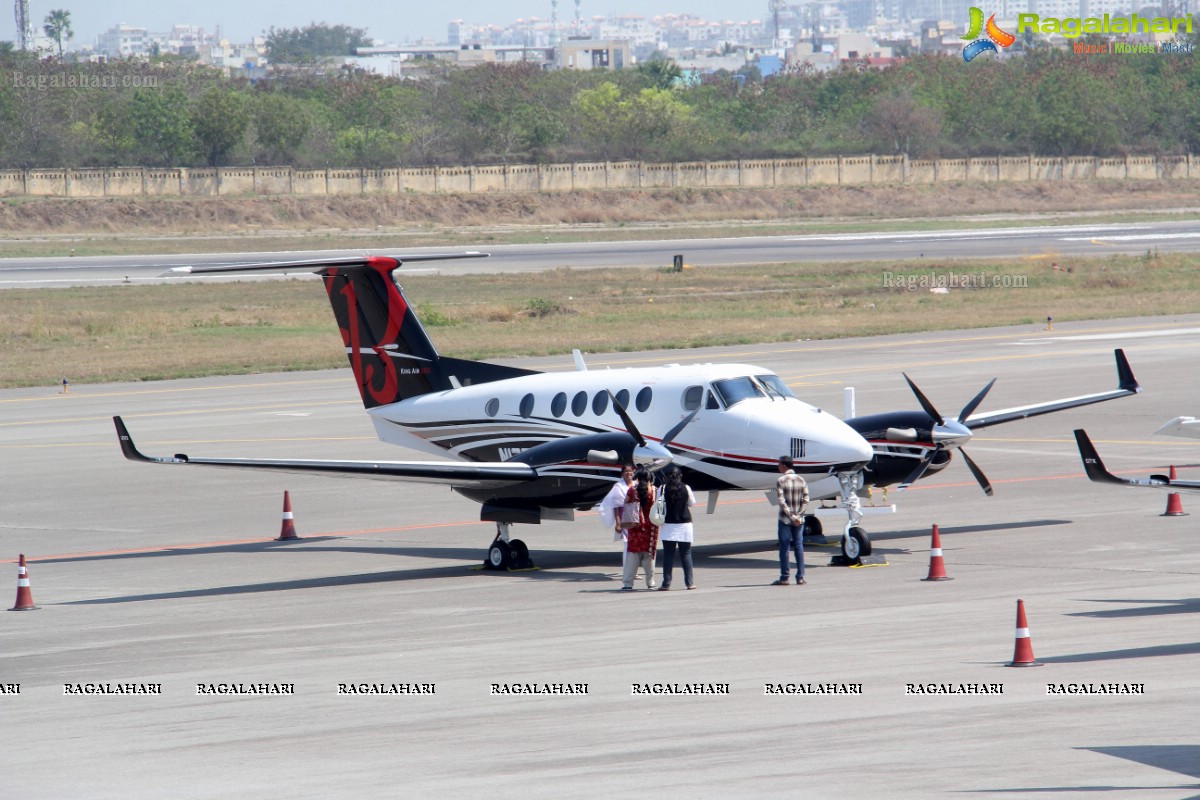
<point>24,25</point>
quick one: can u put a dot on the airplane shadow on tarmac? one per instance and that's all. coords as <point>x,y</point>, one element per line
<point>1185,649</point>
<point>1180,758</point>
<point>1188,605</point>
<point>552,564</point>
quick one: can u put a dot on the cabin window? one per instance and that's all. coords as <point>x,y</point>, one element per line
<point>558,405</point>
<point>579,404</point>
<point>527,405</point>
<point>735,390</point>
<point>692,397</point>
<point>623,398</point>
<point>600,403</point>
<point>643,398</point>
<point>493,407</point>
<point>775,385</point>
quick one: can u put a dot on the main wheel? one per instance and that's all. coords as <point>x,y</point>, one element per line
<point>812,528</point>
<point>856,544</point>
<point>518,554</point>
<point>499,555</point>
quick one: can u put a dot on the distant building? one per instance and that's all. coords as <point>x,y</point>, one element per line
<point>124,41</point>
<point>577,53</point>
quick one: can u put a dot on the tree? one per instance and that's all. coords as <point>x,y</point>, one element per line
<point>313,42</point>
<point>219,118</point>
<point>900,124</point>
<point>161,126</point>
<point>58,27</point>
<point>660,72</point>
<point>280,125</point>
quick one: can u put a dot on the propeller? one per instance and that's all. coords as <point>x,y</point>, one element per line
<point>627,420</point>
<point>678,427</point>
<point>653,451</point>
<point>949,435</point>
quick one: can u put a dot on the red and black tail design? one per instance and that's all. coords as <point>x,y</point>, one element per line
<point>390,353</point>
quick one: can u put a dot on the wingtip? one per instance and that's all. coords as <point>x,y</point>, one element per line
<point>126,441</point>
<point>1093,466</point>
<point>1125,379</point>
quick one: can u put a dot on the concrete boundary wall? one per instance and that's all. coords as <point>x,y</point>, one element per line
<point>760,173</point>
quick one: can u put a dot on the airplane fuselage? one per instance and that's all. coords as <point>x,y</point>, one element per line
<point>745,419</point>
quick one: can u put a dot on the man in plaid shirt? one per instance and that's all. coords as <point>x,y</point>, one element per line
<point>793,497</point>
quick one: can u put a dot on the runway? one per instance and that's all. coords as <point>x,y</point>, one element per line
<point>159,577</point>
<point>1029,241</point>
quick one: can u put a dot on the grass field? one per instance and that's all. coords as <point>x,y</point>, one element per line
<point>188,329</point>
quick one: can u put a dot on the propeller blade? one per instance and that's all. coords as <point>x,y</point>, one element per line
<point>916,474</point>
<point>974,404</point>
<point>676,429</point>
<point>978,473</point>
<point>924,401</point>
<point>629,426</point>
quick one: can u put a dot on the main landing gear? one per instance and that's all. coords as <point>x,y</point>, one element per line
<point>506,553</point>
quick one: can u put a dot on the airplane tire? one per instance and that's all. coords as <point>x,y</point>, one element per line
<point>812,527</point>
<point>499,555</point>
<point>856,544</point>
<point>518,555</point>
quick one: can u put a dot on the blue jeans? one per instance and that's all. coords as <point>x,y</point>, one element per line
<point>685,558</point>
<point>791,538</point>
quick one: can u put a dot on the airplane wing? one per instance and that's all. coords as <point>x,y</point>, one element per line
<point>311,265</point>
<point>1126,385</point>
<point>1096,471</point>
<point>1185,427</point>
<point>466,474</point>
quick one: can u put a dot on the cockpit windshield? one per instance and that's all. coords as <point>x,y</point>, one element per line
<point>774,385</point>
<point>735,390</point>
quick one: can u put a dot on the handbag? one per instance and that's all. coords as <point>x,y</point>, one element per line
<point>658,511</point>
<point>631,515</point>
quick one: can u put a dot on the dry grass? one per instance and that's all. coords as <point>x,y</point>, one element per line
<point>244,217</point>
<point>130,333</point>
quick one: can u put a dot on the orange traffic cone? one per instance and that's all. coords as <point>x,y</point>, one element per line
<point>288,531</point>
<point>937,565</point>
<point>1023,652</point>
<point>1174,504</point>
<point>24,594</point>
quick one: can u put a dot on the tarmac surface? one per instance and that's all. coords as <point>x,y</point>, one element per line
<point>170,578</point>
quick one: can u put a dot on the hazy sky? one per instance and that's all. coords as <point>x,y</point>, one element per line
<point>394,22</point>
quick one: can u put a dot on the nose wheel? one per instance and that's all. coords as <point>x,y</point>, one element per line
<point>855,544</point>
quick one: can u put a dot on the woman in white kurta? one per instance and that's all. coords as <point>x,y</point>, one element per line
<point>676,531</point>
<point>611,505</point>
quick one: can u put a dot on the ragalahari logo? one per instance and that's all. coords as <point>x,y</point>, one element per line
<point>995,37</point>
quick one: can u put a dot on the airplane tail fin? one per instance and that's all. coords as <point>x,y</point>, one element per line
<point>389,351</point>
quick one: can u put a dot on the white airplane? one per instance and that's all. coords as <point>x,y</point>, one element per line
<point>533,446</point>
<point>1183,427</point>
<point>539,446</point>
